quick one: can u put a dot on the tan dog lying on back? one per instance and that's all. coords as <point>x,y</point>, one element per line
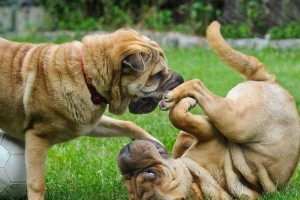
<point>248,144</point>
<point>53,93</point>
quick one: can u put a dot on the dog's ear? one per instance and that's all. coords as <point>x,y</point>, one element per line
<point>135,61</point>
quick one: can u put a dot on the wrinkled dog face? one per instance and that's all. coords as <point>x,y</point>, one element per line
<point>128,68</point>
<point>149,172</point>
<point>146,76</point>
<point>144,72</point>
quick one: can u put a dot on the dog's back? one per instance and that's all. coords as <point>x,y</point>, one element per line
<point>268,114</point>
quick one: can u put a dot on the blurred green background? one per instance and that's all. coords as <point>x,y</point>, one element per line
<point>274,19</point>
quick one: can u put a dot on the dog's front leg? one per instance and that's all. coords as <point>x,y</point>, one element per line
<point>224,113</point>
<point>193,88</point>
<point>36,148</point>
<point>109,127</point>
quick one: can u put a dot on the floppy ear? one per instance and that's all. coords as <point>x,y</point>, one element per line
<point>135,61</point>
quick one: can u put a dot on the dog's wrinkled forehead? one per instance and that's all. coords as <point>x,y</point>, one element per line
<point>138,41</point>
<point>135,32</point>
<point>134,35</point>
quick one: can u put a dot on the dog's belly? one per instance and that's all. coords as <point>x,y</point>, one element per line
<point>11,109</point>
<point>223,170</point>
<point>271,163</point>
<point>11,121</point>
<point>273,125</point>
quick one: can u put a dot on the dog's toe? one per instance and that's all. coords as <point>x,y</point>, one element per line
<point>192,102</point>
<point>167,96</point>
<point>167,101</point>
<point>164,106</point>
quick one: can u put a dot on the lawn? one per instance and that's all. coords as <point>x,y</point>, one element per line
<point>86,168</point>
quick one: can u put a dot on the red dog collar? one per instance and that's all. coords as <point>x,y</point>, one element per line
<point>95,96</point>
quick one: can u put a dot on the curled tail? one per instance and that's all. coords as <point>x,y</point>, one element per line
<point>248,66</point>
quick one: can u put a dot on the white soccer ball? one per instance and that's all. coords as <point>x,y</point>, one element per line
<point>12,167</point>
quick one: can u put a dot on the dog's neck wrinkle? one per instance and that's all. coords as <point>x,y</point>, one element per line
<point>98,68</point>
<point>96,97</point>
<point>187,180</point>
<point>64,60</point>
<point>60,67</point>
<point>192,168</point>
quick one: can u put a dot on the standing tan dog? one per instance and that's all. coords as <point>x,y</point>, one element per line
<point>54,93</point>
<point>248,144</point>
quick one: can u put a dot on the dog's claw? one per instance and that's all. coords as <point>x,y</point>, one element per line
<point>167,102</point>
<point>164,106</point>
<point>166,97</point>
<point>161,106</point>
<point>192,102</point>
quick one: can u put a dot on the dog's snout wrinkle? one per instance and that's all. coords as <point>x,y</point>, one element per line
<point>173,82</point>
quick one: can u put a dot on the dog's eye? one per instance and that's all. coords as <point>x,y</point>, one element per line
<point>149,175</point>
<point>158,75</point>
<point>149,171</point>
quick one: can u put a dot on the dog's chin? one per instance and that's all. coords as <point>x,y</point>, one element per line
<point>118,110</point>
<point>143,105</point>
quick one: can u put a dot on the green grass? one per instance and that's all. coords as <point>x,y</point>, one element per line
<point>86,168</point>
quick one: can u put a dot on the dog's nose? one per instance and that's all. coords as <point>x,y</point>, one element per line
<point>175,80</point>
<point>179,78</point>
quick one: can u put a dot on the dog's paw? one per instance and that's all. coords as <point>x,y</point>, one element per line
<point>190,101</point>
<point>186,104</point>
<point>167,101</point>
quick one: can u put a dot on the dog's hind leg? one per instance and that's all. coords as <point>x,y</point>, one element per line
<point>183,142</point>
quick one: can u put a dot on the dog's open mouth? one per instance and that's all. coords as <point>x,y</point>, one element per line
<point>143,105</point>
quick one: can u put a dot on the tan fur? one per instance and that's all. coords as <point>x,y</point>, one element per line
<point>248,143</point>
<point>44,98</point>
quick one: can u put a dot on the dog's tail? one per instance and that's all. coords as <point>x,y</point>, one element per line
<point>248,66</point>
